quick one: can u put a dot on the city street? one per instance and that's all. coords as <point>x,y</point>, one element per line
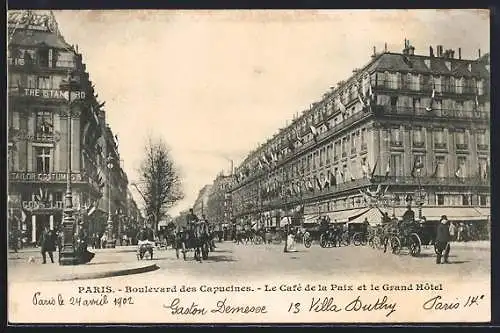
<point>261,261</point>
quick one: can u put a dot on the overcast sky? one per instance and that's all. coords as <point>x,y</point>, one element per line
<point>213,84</point>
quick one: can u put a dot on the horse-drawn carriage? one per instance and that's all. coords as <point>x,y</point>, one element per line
<point>404,235</point>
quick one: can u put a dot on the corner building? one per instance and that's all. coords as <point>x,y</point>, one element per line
<point>39,60</point>
<point>404,129</point>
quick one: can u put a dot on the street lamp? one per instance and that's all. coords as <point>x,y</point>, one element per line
<point>109,227</point>
<point>69,252</point>
<point>420,196</point>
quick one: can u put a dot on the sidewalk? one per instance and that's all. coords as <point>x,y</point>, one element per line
<point>106,263</point>
<point>473,245</point>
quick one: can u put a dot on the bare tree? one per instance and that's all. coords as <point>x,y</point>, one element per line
<point>160,183</point>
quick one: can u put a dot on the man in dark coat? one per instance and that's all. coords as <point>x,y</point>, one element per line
<point>443,240</point>
<point>47,244</point>
<point>409,215</point>
<point>191,219</point>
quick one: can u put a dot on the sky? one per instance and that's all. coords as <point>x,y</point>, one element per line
<point>215,84</point>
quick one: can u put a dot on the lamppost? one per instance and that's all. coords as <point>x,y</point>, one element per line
<point>420,196</point>
<point>109,227</point>
<point>69,252</point>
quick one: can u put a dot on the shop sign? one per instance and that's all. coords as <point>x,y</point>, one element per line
<point>42,200</point>
<point>43,177</point>
<point>34,205</point>
<point>53,93</point>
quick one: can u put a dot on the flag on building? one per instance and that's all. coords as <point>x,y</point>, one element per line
<point>310,186</point>
<point>318,183</point>
<point>364,169</point>
<point>351,176</point>
<point>92,208</point>
<point>417,166</point>
<point>433,95</point>
<point>314,131</point>
<point>388,168</point>
<point>434,174</point>
<point>341,106</point>
<point>299,139</point>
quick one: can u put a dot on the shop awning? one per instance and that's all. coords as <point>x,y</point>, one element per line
<point>313,218</point>
<point>373,215</point>
<point>454,213</point>
<point>342,216</point>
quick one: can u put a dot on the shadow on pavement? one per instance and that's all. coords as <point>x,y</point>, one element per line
<point>220,259</point>
<point>104,262</point>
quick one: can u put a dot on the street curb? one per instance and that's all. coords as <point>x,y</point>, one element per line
<point>100,275</point>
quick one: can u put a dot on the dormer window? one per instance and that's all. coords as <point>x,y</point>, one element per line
<point>428,63</point>
<point>448,65</point>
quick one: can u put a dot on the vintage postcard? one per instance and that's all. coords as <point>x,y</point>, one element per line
<point>249,166</point>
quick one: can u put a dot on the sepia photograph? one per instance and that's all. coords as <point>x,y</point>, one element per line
<point>248,166</point>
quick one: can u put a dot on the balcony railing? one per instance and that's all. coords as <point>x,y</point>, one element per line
<point>403,180</point>
<point>397,143</point>
<point>440,145</point>
<point>20,62</point>
<point>418,144</point>
<point>440,113</point>
<point>482,147</point>
<point>427,87</point>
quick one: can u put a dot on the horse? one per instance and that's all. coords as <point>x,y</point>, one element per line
<point>196,238</point>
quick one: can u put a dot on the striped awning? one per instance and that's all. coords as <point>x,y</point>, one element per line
<point>373,215</point>
<point>342,216</point>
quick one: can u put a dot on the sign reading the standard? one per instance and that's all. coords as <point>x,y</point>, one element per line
<point>53,93</point>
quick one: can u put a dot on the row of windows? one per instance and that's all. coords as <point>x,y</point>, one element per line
<point>440,107</point>
<point>358,169</point>
<point>43,57</point>
<point>418,82</point>
<point>31,81</point>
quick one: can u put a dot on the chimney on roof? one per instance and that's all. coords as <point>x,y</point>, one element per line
<point>374,51</point>
<point>439,51</point>
<point>479,51</point>
<point>385,47</point>
<point>431,51</point>
<point>459,53</point>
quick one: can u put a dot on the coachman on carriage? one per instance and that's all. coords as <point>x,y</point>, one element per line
<point>197,236</point>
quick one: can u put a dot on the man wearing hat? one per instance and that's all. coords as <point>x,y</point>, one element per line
<point>443,240</point>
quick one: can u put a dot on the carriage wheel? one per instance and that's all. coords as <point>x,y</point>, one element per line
<point>278,239</point>
<point>364,240</point>
<point>379,243</point>
<point>395,245</point>
<point>357,239</point>
<point>307,242</point>
<point>371,242</point>
<point>345,239</point>
<point>415,245</point>
<point>322,241</point>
